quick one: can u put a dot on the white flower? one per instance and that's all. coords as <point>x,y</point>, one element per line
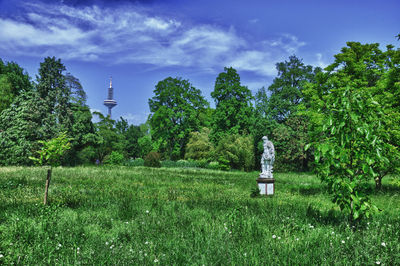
<point>127,222</point>
<point>245,254</point>
<point>297,239</point>
<point>378,262</point>
<point>279,237</point>
<point>383,244</point>
<point>343,241</point>
<point>145,254</point>
<point>59,245</point>
<point>146,243</point>
<point>77,248</point>
<point>155,260</point>
<point>111,247</point>
<point>1,255</point>
<point>333,233</point>
<point>106,243</point>
<point>274,236</point>
<point>147,211</point>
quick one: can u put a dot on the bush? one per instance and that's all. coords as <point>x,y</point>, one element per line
<point>236,152</point>
<point>115,158</point>
<point>135,162</point>
<point>152,159</point>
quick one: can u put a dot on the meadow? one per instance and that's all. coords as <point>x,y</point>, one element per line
<point>186,216</point>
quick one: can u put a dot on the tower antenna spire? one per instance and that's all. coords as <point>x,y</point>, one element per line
<point>110,102</point>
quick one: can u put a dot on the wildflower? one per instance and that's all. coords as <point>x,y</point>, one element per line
<point>333,233</point>
<point>274,236</point>
<point>245,254</point>
<point>378,262</point>
<point>279,237</point>
<point>127,222</point>
<point>146,243</point>
<point>59,245</point>
<point>155,260</point>
<point>343,241</point>
<point>106,243</point>
<point>112,246</point>
<point>147,211</point>
<point>1,255</point>
<point>383,244</point>
<point>297,239</point>
<point>145,254</point>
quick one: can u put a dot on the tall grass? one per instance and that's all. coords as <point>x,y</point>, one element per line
<point>123,215</point>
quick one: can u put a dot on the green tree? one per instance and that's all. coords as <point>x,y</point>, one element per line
<point>13,81</point>
<point>131,134</point>
<point>237,150</point>
<point>50,154</point>
<point>199,146</point>
<point>175,109</point>
<point>21,128</point>
<point>52,87</point>
<point>233,109</point>
<point>350,142</point>
<point>365,69</point>
<point>287,88</point>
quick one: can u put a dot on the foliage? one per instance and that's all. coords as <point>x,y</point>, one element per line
<point>145,145</point>
<point>13,82</point>
<point>131,134</point>
<point>134,162</point>
<point>21,128</point>
<point>199,146</point>
<point>233,109</point>
<point>175,109</point>
<point>152,159</point>
<point>286,91</point>
<point>237,151</point>
<point>365,69</point>
<point>352,140</point>
<point>52,150</point>
<point>115,158</point>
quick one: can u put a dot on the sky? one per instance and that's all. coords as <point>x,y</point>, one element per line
<point>140,43</point>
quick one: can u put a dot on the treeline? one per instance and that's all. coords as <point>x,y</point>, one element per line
<point>183,126</point>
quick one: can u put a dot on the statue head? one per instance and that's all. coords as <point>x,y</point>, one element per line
<point>265,138</point>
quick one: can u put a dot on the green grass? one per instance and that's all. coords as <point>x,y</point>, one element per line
<point>128,216</point>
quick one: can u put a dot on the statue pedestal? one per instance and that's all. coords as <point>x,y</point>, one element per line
<point>266,186</point>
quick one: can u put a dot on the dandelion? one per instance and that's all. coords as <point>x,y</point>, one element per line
<point>274,236</point>
<point>155,260</point>
<point>383,244</point>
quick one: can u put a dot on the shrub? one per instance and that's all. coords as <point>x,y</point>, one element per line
<point>236,151</point>
<point>152,159</point>
<point>199,146</point>
<point>115,158</point>
<point>135,162</point>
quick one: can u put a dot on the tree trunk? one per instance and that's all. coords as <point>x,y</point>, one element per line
<point>47,186</point>
<point>378,183</point>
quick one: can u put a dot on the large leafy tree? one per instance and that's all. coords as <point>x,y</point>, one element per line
<point>131,134</point>
<point>233,108</point>
<point>13,81</point>
<point>365,69</point>
<point>286,91</point>
<point>175,112</point>
<point>53,89</point>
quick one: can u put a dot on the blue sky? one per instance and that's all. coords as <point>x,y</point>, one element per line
<point>142,42</point>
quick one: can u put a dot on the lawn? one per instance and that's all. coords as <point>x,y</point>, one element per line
<point>186,216</point>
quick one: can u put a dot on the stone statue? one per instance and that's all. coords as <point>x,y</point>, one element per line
<point>267,159</point>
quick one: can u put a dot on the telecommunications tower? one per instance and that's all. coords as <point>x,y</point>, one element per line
<point>110,102</point>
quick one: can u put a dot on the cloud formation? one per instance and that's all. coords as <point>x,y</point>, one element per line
<point>128,34</point>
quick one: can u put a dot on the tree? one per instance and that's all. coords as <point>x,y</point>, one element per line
<point>365,69</point>
<point>131,134</point>
<point>237,151</point>
<point>287,89</point>
<point>351,141</point>
<point>21,128</point>
<point>50,154</point>
<point>233,109</point>
<point>199,146</point>
<point>52,88</point>
<point>175,109</point>
<point>13,81</point>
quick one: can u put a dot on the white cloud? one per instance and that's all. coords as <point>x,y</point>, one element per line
<point>130,35</point>
<point>136,119</point>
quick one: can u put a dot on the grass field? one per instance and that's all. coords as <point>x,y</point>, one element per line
<point>128,216</point>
